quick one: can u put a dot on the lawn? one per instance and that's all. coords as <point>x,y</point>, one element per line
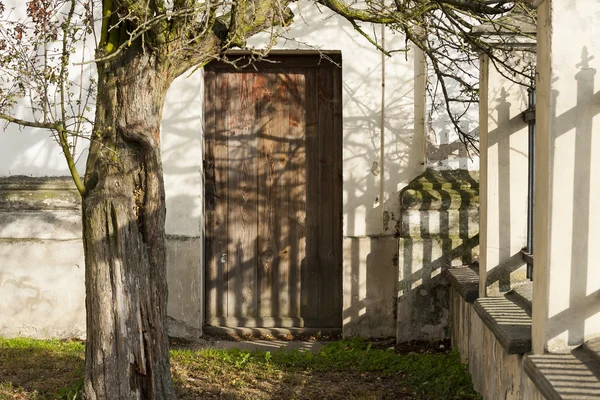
<point>344,370</point>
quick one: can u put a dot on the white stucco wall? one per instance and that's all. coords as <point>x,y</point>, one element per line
<point>372,177</point>
<point>444,148</point>
<point>368,192</point>
<point>567,190</point>
<point>32,151</point>
<point>504,178</point>
<point>383,148</point>
<point>378,98</point>
<point>182,153</point>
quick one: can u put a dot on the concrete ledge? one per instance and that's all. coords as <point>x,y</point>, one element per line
<point>39,199</point>
<point>369,283</point>
<point>447,179</point>
<point>439,199</point>
<point>39,208</point>
<point>19,182</point>
<point>186,284</point>
<point>181,330</point>
<point>465,280</point>
<point>565,376</point>
<point>508,321</point>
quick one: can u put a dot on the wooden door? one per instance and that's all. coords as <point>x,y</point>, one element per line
<point>273,139</point>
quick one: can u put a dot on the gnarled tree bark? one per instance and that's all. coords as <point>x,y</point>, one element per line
<point>127,353</point>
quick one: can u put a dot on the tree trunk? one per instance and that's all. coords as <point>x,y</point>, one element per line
<point>127,352</point>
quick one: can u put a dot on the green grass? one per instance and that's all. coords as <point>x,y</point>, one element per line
<point>38,368</point>
<point>347,369</point>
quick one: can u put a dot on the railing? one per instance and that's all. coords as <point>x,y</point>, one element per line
<point>529,117</point>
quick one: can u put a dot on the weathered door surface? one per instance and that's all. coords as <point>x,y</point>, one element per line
<point>273,193</point>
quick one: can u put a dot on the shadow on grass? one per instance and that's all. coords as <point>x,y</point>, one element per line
<point>348,369</point>
<point>38,369</point>
<point>344,370</point>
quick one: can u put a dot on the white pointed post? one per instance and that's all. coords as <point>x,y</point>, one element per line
<point>566,302</point>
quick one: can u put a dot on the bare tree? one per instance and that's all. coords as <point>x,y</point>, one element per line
<point>444,31</point>
<point>143,46</point>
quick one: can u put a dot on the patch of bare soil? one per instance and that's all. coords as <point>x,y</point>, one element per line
<point>298,384</point>
<point>303,385</point>
<point>209,340</point>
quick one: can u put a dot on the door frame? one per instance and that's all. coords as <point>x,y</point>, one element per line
<point>245,60</point>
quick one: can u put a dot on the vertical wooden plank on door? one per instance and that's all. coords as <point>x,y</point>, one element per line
<point>216,156</point>
<point>266,243</point>
<point>297,182</point>
<point>311,264</point>
<point>327,261</point>
<point>276,146</point>
<point>337,132</point>
<point>242,208</point>
<point>283,180</point>
<point>209,195</point>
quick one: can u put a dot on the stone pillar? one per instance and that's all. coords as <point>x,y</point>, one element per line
<point>566,303</point>
<point>439,229</point>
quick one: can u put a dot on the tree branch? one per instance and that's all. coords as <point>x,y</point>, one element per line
<point>202,45</point>
<point>356,14</point>
<point>62,140</point>
<point>30,124</point>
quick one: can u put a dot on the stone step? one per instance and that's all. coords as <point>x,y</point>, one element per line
<point>509,322</point>
<point>439,199</point>
<point>439,223</point>
<point>565,376</point>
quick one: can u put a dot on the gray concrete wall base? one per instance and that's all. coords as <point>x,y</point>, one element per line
<point>181,330</point>
<point>422,309</point>
<point>185,280</point>
<point>370,275</point>
<point>42,288</point>
<point>496,375</point>
<point>42,268</point>
<point>42,291</point>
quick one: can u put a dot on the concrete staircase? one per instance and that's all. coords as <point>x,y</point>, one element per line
<point>438,228</point>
